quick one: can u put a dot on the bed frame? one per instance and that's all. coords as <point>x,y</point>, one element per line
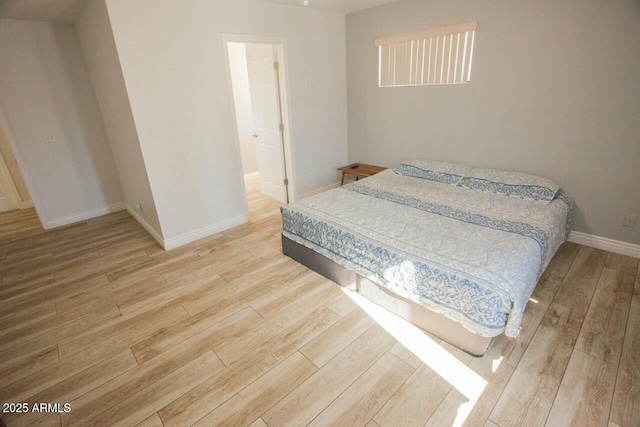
<point>428,320</point>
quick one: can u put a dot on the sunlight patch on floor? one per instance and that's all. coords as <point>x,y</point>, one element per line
<point>456,373</point>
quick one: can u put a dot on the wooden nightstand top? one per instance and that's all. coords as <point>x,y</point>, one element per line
<point>359,170</point>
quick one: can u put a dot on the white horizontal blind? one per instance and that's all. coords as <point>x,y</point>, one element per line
<point>439,55</point>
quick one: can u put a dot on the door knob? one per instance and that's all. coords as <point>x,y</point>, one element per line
<point>255,135</point>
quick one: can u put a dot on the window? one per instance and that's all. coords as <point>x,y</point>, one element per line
<point>435,56</point>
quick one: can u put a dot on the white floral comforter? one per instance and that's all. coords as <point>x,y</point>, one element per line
<point>472,256</point>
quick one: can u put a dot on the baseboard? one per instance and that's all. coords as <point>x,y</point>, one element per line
<point>318,191</point>
<point>203,232</point>
<point>26,205</point>
<point>81,216</point>
<point>603,243</point>
<point>251,175</point>
<point>158,238</point>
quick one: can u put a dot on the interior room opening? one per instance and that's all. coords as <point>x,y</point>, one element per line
<point>14,193</point>
<point>257,94</point>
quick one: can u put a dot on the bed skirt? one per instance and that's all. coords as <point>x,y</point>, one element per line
<point>431,322</point>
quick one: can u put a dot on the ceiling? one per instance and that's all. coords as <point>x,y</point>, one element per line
<point>64,11</point>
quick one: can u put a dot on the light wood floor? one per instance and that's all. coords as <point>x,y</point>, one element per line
<point>228,331</point>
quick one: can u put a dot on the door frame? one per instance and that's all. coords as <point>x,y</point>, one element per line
<point>280,45</point>
<point>25,175</point>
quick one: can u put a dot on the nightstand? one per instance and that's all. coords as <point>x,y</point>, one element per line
<point>359,170</point>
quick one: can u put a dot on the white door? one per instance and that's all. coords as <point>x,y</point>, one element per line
<point>263,87</point>
<point>7,197</point>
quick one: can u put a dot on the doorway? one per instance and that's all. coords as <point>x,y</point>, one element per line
<point>14,193</point>
<point>258,85</point>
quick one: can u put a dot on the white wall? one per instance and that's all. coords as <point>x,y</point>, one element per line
<point>174,69</point>
<point>555,91</point>
<point>242,103</point>
<point>45,92</point>
<point>99,50</point>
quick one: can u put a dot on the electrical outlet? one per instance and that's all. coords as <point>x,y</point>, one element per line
<point>630,221</point>
<point>50,139</point>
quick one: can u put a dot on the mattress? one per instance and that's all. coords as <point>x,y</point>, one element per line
<point>471,256</point>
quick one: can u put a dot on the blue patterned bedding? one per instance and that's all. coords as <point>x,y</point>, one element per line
<point>472,256</point>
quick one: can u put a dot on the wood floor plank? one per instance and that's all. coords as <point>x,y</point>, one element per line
<point>357,405</point>
<point>122,332</point>
<point>512,349</point>
<point>457,408</point>
<point>211,328</point>
<point>153,421</point>
<point>622,263</point>
<point>54,292</point>
<point>248,404</point>
<point>225,301</point>
<point>148,401</point>
<point>498,375</point>
<point>194,275</point>
<point>342,305</point>
<point>135,240</point>
<point>580,283</point>
<point>232,242</point>
<point>415,402</point>
<point>303,404</point>
<point>31,345</point>
<point>625,410</point>
<point>26,254</point>
<point>258,423</point>
<point>182,269</point>
<point>562,260</point>
<point>275,301</point>
<point>262,280</point>
<point>27,245</point>
<point>151,265</point>
<point>55,325</point>
<point>244,268</point>
<point>335,339</point>
<point>212,393</point>
<point>170,293</point>
<point>100,399</point>
<point>23,286</point>
<point>27,317</point>
<point>270,245</point>
<point>48,420</point>
<point>17,279</point>
<point>48,377</point>
<point>603,330</point>
<point>29,264</point>
<point>222,256</point>
<point>244,342</point>
<point>404,354</point>
<point>102,265</point>
<point>28,366</point>
<point>77,385</point>
<point>113,293</point>
<point>105,245</point>
<point>535,382</point>
<point>584,397</point>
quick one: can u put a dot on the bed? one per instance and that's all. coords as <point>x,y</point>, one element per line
<point>454,249</point>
